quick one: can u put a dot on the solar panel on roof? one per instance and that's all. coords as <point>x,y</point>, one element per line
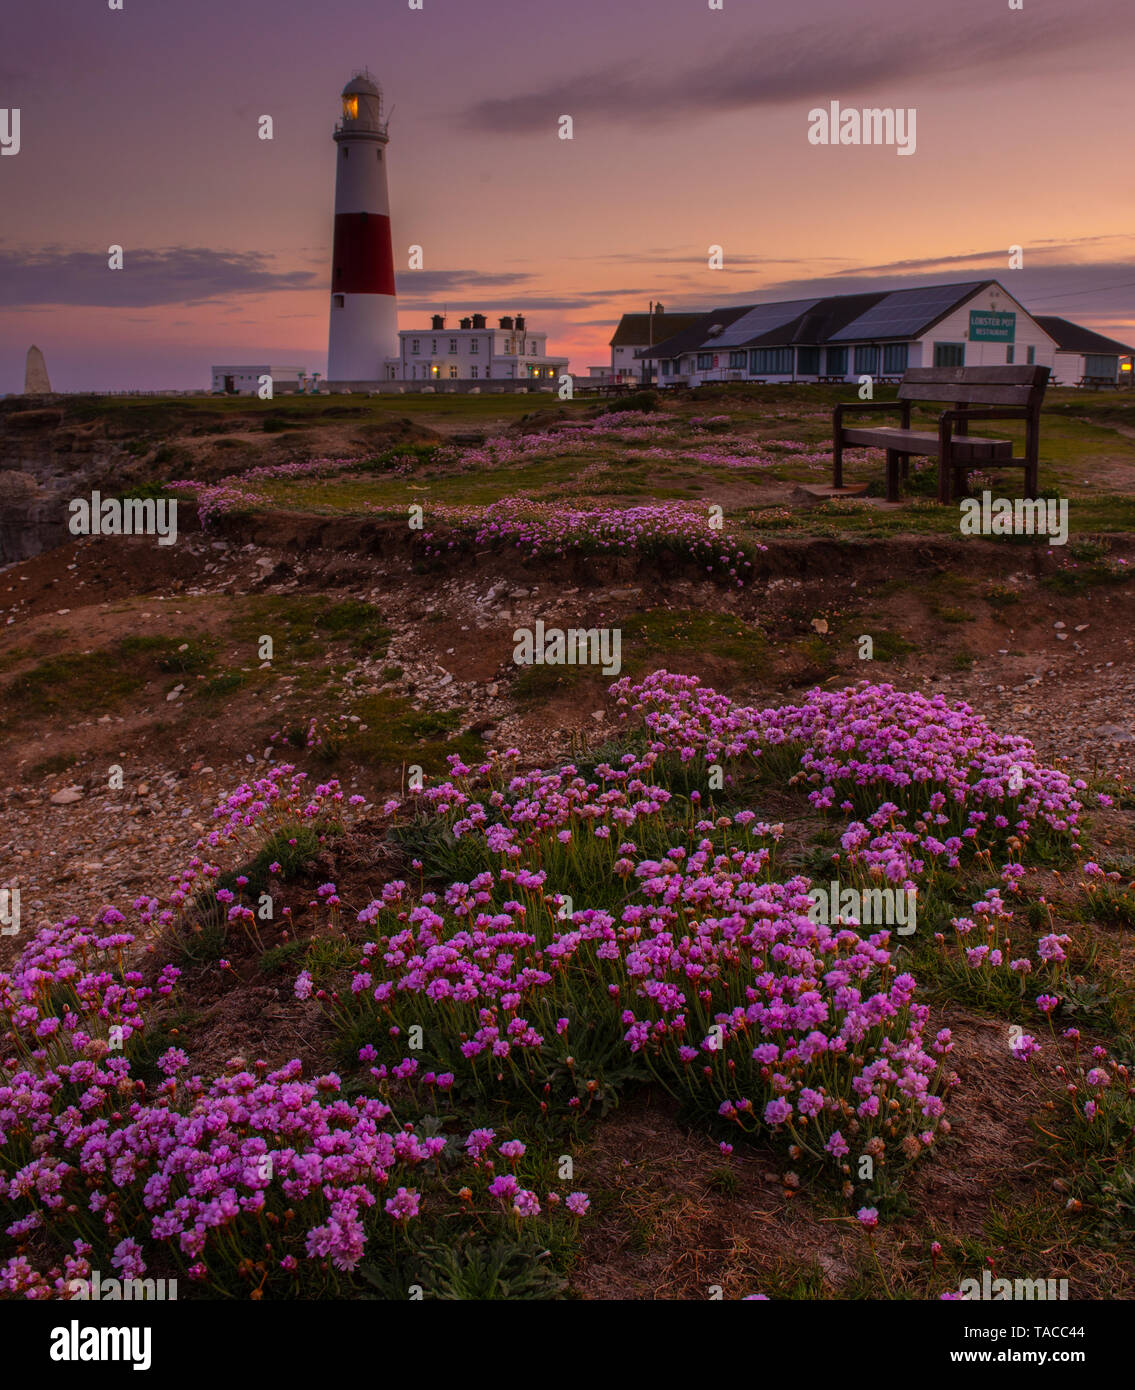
<point>904,312</point>
<point>761,319</point>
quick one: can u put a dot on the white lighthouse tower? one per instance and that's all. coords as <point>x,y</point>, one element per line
<point>364,310</point>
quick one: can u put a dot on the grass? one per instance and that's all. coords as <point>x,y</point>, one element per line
<point>391,733</point>
<point>301,626</point>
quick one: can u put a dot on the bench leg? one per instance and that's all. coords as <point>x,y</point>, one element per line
<point>892,475</point>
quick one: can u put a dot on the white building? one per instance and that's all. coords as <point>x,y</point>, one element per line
<point>473,354</point>
<point>243,380</point>
<point>1083,355</point>
<point>637,331</point>
<point>843,337</point>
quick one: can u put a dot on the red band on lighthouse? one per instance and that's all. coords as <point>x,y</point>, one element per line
<point>363,256</point>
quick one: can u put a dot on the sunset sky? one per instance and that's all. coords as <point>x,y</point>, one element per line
<point>140,128</point>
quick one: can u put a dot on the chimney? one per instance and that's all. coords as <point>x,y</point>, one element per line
<point>438,321</point>
<point>520,322</point>
<point>658,309</point>
<point>466,323</point>
<point>478,320</point>
<point>506,322</point>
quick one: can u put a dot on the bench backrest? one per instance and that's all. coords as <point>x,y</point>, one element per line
<point>1019,386</point>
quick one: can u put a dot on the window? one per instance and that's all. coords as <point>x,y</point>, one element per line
<point>1031,356</point>
<point>473,372</point>
<point>453,344</point>
<point>416,345</point>
<point>336,301</point>
<point>452,372</point>
<point>949,354</point>
<point>1009,355</point>
<point>895,358</point>
<point>866,360</point>
<point>1100,364</point>
<point>433,348</point>
<point>666,367</point>
<point>474,345</point>
<point>835,361</point>
<point>705,361</point>
<point>737,359</point>
<point>508,345</point>
<point>808,361</point>
<point>778,361</point>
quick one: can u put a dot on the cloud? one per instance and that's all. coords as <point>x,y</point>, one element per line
<point>838,58</point>
<point>433,283</point>
<point>177,275</point>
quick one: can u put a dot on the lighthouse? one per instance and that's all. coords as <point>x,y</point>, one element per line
<point>364,310</point>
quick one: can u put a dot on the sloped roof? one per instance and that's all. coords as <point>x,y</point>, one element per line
<point>836,318</point>
<point>634,329</point>
<point>908,313</point>
<point>692,337</point>
<point>1071,337</point>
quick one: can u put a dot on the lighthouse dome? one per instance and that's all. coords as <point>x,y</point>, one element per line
<point>361,86</point>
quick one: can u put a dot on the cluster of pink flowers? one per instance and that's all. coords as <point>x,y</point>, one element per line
<point>721,983</point>
<point>213,1173</point>
<point>875,748</point>
<point>540,529</point>
<point>235,493</point>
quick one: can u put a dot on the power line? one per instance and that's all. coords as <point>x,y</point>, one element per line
<point>1099,289</point>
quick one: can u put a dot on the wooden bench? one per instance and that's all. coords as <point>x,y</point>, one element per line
<point>1097,383</point>
<point>978,393</point>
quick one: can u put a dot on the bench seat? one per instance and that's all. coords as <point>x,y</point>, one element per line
<point>968,448</point>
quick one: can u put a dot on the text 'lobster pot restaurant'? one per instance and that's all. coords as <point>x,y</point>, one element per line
<point>845,336</point>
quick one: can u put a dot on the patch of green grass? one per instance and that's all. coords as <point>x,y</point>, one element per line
<point>280,957</point>
<point>301,626</point>
<point>183,655</point>
<point>80,684</point>
<point>891,646</point>
<point>390,732</point>
<point>947,614</point>
<point>537,683</point>
<point>221,685</point>
<point>683,635</point>
<point>1001,596</point>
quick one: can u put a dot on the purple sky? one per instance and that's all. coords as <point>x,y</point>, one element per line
<point>140,128</point>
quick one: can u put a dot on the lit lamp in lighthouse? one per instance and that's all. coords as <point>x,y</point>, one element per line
<point>364,310</point>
